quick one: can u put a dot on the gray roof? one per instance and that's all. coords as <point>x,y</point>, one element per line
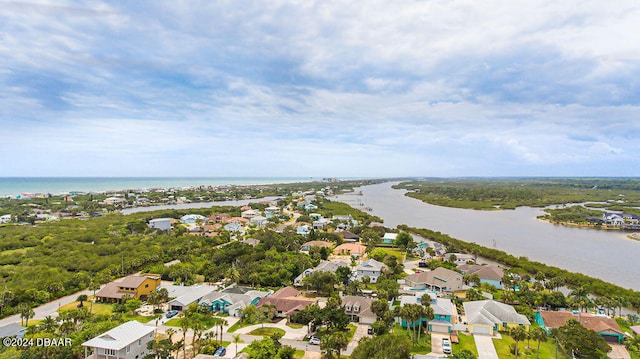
<point>371,264</point>
<point>490,312</point>
<point>12,330</point>
<point>442,306</point>
<point>193,294</point>
<point>121,336</point>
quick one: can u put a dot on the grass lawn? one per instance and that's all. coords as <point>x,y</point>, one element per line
<point>547,349</point>
<point>422,347</point>
<point>267,332</point>
<point>351,327</point>
<point>96,308</point>
<point>624,325</point>
<point>295,325</point>
<point>175,322</point>
<point>466,342</point>
<point>298,354</point>
<point>140,318</point>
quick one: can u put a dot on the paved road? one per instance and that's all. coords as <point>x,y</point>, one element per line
<point>44,310</point>
<point>486,349</point>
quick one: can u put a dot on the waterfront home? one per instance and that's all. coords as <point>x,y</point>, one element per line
<point>185,295</point>
<point>232,300</point>
<point>248,214</point>
<point>442,309</point>
<point>488,273</point>
<point>163,224</point>
<point>351,249</point>
<point>218,217</point>
<point>136,286</point>
<point>192,218</point>
<point>322,223</point>
<point>389,238</point>
<point>607,327</point>
<point>370,268</point>
<point>259,221</point>
<point>307,246</point>
<point>488,317</point>
<point>127,341</point>
<point>358,309</point>
<point>324,266</point>
<point>459,258</point>
<point>440,279</point>
<point>112,201</point>
<point>287,301</point>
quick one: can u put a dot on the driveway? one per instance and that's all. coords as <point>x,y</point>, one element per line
<point>436,343</point>
<point>618,351</point>
<point>486,349</point>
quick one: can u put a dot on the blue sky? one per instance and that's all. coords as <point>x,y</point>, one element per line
<point>319,88</point>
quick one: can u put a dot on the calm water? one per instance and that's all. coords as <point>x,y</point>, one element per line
<point>608,255</point>
<point>13,186</point>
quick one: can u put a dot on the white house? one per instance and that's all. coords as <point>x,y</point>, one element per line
<point>5,219</point>
<point>192,218</point>
<point>250,213</point>
<point>259,221</point>
<point>160,223</point>
<point>127,341</point>
<point>371,268</point>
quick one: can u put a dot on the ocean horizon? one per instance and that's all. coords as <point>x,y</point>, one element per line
<point>14,186</point>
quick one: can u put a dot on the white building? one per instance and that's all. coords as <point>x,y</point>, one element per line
<point>160,223</point>
<point>127,341</point>
<point>5,219</point>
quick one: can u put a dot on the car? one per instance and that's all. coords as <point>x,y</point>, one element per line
<point>220,352</point>
<point>422,264</point>
<point>171,313</point>
<point>314,341</point>
<point>446,346</point>
<point>370,331</point>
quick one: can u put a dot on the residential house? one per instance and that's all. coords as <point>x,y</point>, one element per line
<point>635,329</point>
<point>459,258</point>
<point>127,341</point>
<point>442,310</point>
<point>163,224</point>
<point>136,286</point>
<point>488,317</point>
<point>350,249</point>
<point>287,301</point>
<point>112,201</point>
<point>248,214</point>
<point>489,274</point>
<point>324,266</point>
<point>232,303</point>
<point>607,327</point>
<point>307,246</point>
<point>251,241</point>
<point>440,279</point>
<point>303,230</point>
<point>370,268</point>
<point>358,309</point>
<point>389,238</point>
<point>271,211</point>
<point>321,223</point>
<point>259,221</point>
<point>5,219</point>
<point>310,207</point>
<point>192,218</point>
<point>185,295</point>
<point>348,236</point>
<point>218,217</point>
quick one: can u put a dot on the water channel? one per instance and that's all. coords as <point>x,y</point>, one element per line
<point>608,255</point>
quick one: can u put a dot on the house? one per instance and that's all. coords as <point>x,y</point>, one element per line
<point>324,266</point>
<point>163,224</point>
<point>348,236</point>
<point>489,316</point>
<point>259,221</point>
<point>612,218</point>
<point>321,223</point>
<point>271,211</point>
<point>5,219</point>
<point>460,258</point>
<point>232,303</point>
<point>389,238</point>
<point>307,246</point>
<point>303,230</point>
<point>440,279</point>
<point>127,341</point>
<point>12,330</point>
<point>310,207</point>
<point>488,273</point>
<point>218,217</point>
<point>358,309</point>
<point>185,295</point>
<point>287,301</point>
<point>370,268</point>
<point>635,329</point>
<point>607,327</point>
<point>251,241</point>
<point>192,218</point>
<point>112,201</point>
<point>136,286</point>
<point>248,214</point>
<point>442,310</point>
<point>350,249</point>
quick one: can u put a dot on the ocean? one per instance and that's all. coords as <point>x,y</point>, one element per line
<point>14,186</point>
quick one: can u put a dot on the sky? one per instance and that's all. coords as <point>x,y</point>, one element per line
<point>319,88</point>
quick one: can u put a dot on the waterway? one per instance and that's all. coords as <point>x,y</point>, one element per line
<point>608,255</point>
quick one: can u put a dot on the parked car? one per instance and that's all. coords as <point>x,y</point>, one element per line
<point>314,341</point>
<point>446,346</point>
<point>422,264</point>
<point>220,352</point>
<point>370,331</point>
<point>171,313</point>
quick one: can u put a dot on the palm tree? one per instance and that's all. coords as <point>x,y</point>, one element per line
<point>580,296</point>
<point>26,312</point>
<point>236,340</point>
<point>48,324</point>
<point>518,334</point>
<point>540,335</point>
<point>81,298</point>
<point>184,326</point>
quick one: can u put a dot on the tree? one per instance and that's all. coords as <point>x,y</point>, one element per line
<point>132,305</point>
<point>390,288</point>
<point>538,334</point>
<point>463,354</point>
<point>404,240</point>
<point>580,297</point>
<point>336,341</point>
<point>474,294</point>
<point>385,346</point>
<point>343,275</point>
<point>81,298</point>
<point>581,342</point>
<point>236,340</point>
<point>26,313</point>
<point>321,281</point>
<point>518,334</point>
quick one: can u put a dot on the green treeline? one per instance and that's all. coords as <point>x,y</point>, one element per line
<point>592,285</point>
<point>509,193</point>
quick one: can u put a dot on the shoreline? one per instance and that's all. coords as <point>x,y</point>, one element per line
<point>590,226</point>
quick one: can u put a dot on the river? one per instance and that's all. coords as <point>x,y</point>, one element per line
<point>608,255</point>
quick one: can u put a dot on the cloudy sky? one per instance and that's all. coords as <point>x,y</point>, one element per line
<point>320,88</point>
